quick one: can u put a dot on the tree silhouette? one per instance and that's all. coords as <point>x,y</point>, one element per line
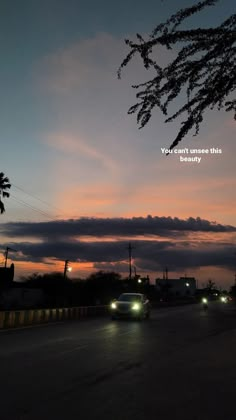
<point>4,185</point>
<point>204,66</point>
<point>210,285</point>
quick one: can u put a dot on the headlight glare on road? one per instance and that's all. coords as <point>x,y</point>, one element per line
<point>113,305</point>
<point>136,307</point>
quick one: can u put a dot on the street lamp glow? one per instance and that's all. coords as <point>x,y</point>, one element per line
<point>69,269</point>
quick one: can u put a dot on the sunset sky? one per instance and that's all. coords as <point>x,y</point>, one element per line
<point>85,180</point>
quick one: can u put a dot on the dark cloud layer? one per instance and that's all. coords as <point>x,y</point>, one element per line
<point>113,227</point>
<point>59,240</point>
<point>147,255</point>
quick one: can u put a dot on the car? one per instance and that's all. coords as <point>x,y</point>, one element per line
<point>131,305</point>
<point>224,299</point>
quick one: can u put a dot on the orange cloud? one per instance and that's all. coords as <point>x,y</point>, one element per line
<point>75,146</point>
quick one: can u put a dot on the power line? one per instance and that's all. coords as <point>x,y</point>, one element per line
<point>35,208</point>
<point>35,197</point>
<point>32,207</point>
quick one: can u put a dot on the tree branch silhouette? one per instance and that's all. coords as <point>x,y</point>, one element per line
<point>205,68</point>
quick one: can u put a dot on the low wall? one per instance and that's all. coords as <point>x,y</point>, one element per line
<point>14,319</point>
<point>179,302</point>
<point>20,318</point>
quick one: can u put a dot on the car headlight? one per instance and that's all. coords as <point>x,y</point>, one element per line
<point>136,306</point>
<point>113,305</point>
<point>204,300</point>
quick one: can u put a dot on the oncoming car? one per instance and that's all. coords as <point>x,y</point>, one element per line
<point>130,305</point>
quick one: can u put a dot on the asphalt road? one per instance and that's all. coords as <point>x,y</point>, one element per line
<point>181,364</point>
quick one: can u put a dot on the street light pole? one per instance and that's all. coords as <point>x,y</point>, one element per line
<point>130,247</point>
<point>65,268</point>
<point>6,254</point>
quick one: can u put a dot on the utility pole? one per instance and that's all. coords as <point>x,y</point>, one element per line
<point>130,247</point>
<point>65,268</point>
<point>6,254</point>
<point>165,274</point>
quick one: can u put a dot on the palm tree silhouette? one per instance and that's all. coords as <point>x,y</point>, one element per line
<point>4,185</point>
